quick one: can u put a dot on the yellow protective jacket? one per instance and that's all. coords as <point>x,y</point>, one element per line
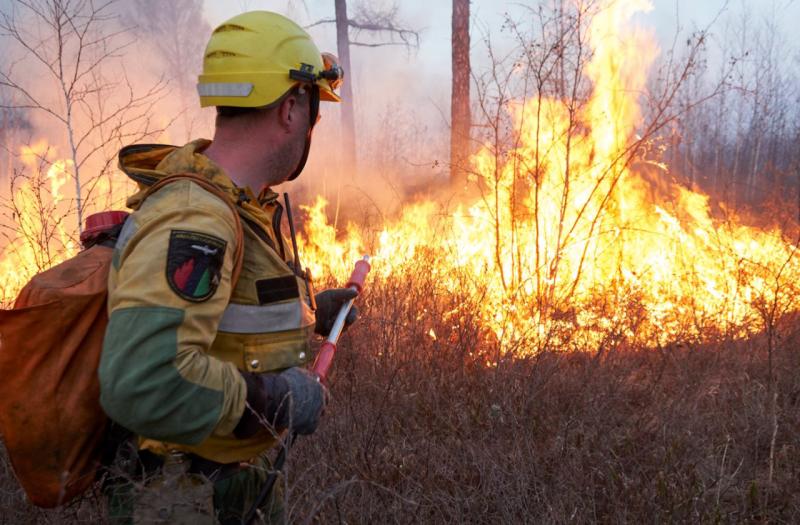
<point>177,337</point>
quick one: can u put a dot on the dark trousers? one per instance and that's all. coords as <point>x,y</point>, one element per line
<point>144,488</point>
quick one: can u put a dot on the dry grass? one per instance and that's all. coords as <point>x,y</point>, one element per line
<point>426,433</point>
<point>420,430</point>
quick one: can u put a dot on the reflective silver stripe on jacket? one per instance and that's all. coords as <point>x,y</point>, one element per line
<point>259,319</point>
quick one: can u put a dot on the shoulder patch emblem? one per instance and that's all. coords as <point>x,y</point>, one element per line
<point>194,264</point>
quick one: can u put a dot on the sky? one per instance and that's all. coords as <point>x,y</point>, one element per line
<point>423,75</point>
<point>433,18</point>
<point>414,74</point>
<point>415,84</point>
<point>434,15</point>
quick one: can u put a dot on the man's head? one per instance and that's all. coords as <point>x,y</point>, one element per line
<point>275,137</point>
<point>266,78</point>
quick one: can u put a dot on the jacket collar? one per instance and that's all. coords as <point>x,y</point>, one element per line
<point>148,163</point>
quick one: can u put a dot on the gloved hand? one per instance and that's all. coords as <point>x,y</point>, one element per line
<point>329,302</point>
<point>292,398</point>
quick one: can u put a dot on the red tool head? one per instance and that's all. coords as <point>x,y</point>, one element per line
<point>359,274</point>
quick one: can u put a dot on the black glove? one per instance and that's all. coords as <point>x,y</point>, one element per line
<point>329,302</point>
<point>294,398</point>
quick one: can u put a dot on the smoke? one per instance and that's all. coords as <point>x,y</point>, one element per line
<point>401,94</point>
<point>112,86</point>
<point>400,114</point>
<point>172,36</point>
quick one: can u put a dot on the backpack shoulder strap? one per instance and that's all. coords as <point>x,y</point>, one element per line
<point>238,254</point>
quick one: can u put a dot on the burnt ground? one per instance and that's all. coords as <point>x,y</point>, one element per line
<point>423,431</point>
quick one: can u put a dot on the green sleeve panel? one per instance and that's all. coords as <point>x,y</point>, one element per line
<point>157,377</point>
<point>140,387</point>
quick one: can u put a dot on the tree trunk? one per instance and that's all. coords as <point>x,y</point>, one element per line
<point>460,101</point>
<point>6,127</point>
<point>753,179</point>
<point>348,119</point>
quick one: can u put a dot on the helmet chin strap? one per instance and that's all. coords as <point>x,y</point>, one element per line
<point>313,114</point>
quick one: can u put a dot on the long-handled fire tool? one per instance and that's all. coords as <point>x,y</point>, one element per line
<point>321,367</point>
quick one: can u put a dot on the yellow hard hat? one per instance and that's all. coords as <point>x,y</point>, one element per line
<point>254,58</point>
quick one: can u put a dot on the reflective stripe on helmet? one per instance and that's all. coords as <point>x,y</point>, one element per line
<point>260,319</point>
<point>225,89</point>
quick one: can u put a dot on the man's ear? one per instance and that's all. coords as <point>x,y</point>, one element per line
<point>285,114</point>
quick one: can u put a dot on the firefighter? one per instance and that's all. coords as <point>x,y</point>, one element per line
<point>207,374</point>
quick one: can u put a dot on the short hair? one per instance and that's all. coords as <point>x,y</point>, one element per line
<point>229,113</point>
<point>234,112</point>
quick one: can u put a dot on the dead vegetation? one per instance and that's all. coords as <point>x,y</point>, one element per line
<point>422,430</point>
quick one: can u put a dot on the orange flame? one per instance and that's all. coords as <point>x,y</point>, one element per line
<point>41,238</point>
<point>572,242</point>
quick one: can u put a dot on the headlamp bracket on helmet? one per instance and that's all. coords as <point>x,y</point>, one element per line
<point>304,74</point>
<point>334,74</point>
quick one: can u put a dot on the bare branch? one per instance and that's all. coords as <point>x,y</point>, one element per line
<point>377,22</point>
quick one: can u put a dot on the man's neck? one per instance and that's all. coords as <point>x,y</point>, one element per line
<point>239,167</point>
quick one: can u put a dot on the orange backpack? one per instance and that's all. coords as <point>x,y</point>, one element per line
<point>50,344</point>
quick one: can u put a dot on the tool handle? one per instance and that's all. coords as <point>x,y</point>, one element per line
<point>324,360</point>
<point>322,366</point>
<point>341,318</point>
